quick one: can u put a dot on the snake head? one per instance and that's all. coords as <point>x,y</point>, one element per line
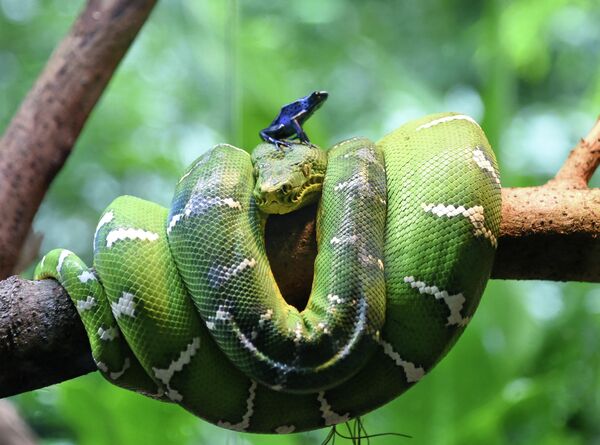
<point>288,178</point>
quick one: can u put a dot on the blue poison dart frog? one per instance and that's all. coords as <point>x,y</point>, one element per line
<point>290,119</point>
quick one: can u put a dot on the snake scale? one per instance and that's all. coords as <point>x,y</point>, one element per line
<point>181,304</point>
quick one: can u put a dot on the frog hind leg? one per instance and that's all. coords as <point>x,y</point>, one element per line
<point>271,140</point>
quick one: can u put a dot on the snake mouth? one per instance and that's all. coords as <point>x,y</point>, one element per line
<point>285,199</point>
<point>313,185</point>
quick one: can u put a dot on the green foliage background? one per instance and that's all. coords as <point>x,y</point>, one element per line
<point>527,370</point>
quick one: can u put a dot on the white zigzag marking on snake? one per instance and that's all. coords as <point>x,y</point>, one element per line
<point>222,314</point>
<point>246,343</point>
<point>285,429</point>
<point>101,366</point>
<point>108,334</point>
<point>356,183</point>
<point>200,204</point>
<point>245,423</point>
<point>118,374</point>
<point>174,220</point>
<point>265,317</point>
<point>61,259</point>
<point>365,154</point>
<point>106,218</point>
<point>334,299</point>
<point>444,119</point>
<point>197,204</point>
<point>412,372</point>
<point>165,375</point>
<point>113,375</point>
<point>323,326</point>
<point>298,333</point>
<point>484,163</point>
<point>454,302</point>
<point>475,215</point>
<point>85,305</point>
<point>86,276</point>
<point>124,305</point>
<point>344,239</point>
<point>225,273</point>
<point>122,234</point>
<point>330,416</point>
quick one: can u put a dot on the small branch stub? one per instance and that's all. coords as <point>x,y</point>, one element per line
<point>581,163</point>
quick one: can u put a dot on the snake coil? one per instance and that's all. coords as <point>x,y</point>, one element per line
<point>181,304</point>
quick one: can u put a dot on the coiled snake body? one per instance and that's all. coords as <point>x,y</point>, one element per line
<point>181,304</point>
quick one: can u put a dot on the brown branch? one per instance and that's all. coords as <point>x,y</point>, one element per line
<point>42,340</point>
<point>42,133</point>
<point>549,233</point>
<point>552,232</point>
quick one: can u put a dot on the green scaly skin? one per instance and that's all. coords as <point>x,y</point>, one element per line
<point>180,301</point>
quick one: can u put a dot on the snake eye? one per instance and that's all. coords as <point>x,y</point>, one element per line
<point>286,188</point>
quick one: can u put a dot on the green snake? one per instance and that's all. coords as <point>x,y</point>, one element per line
<point>181,304</point>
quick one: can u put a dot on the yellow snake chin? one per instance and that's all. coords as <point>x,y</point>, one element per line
<point>281,202</point>
<point>287,179</point>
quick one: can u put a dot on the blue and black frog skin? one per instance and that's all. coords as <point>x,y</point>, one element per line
<point>288,122</point>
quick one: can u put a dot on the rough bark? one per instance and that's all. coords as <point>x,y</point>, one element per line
<point>42,133</point>
<point>42,340</point>
<point>552,232</point>
<point>549,233</point>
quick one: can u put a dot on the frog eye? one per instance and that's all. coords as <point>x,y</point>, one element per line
<point>306,170</point>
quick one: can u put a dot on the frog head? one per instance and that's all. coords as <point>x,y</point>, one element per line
<point>287,178</point>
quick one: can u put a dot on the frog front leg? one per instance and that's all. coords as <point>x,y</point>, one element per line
<point>300,132</point>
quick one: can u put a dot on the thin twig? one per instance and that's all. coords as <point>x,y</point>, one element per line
<point>582,162</point>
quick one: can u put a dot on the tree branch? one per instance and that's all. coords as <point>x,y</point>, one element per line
<point>581,163</point>
<point>42,340</point>
<point>42,133</point>
<point>552,232</point>
<point>549,233</point>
